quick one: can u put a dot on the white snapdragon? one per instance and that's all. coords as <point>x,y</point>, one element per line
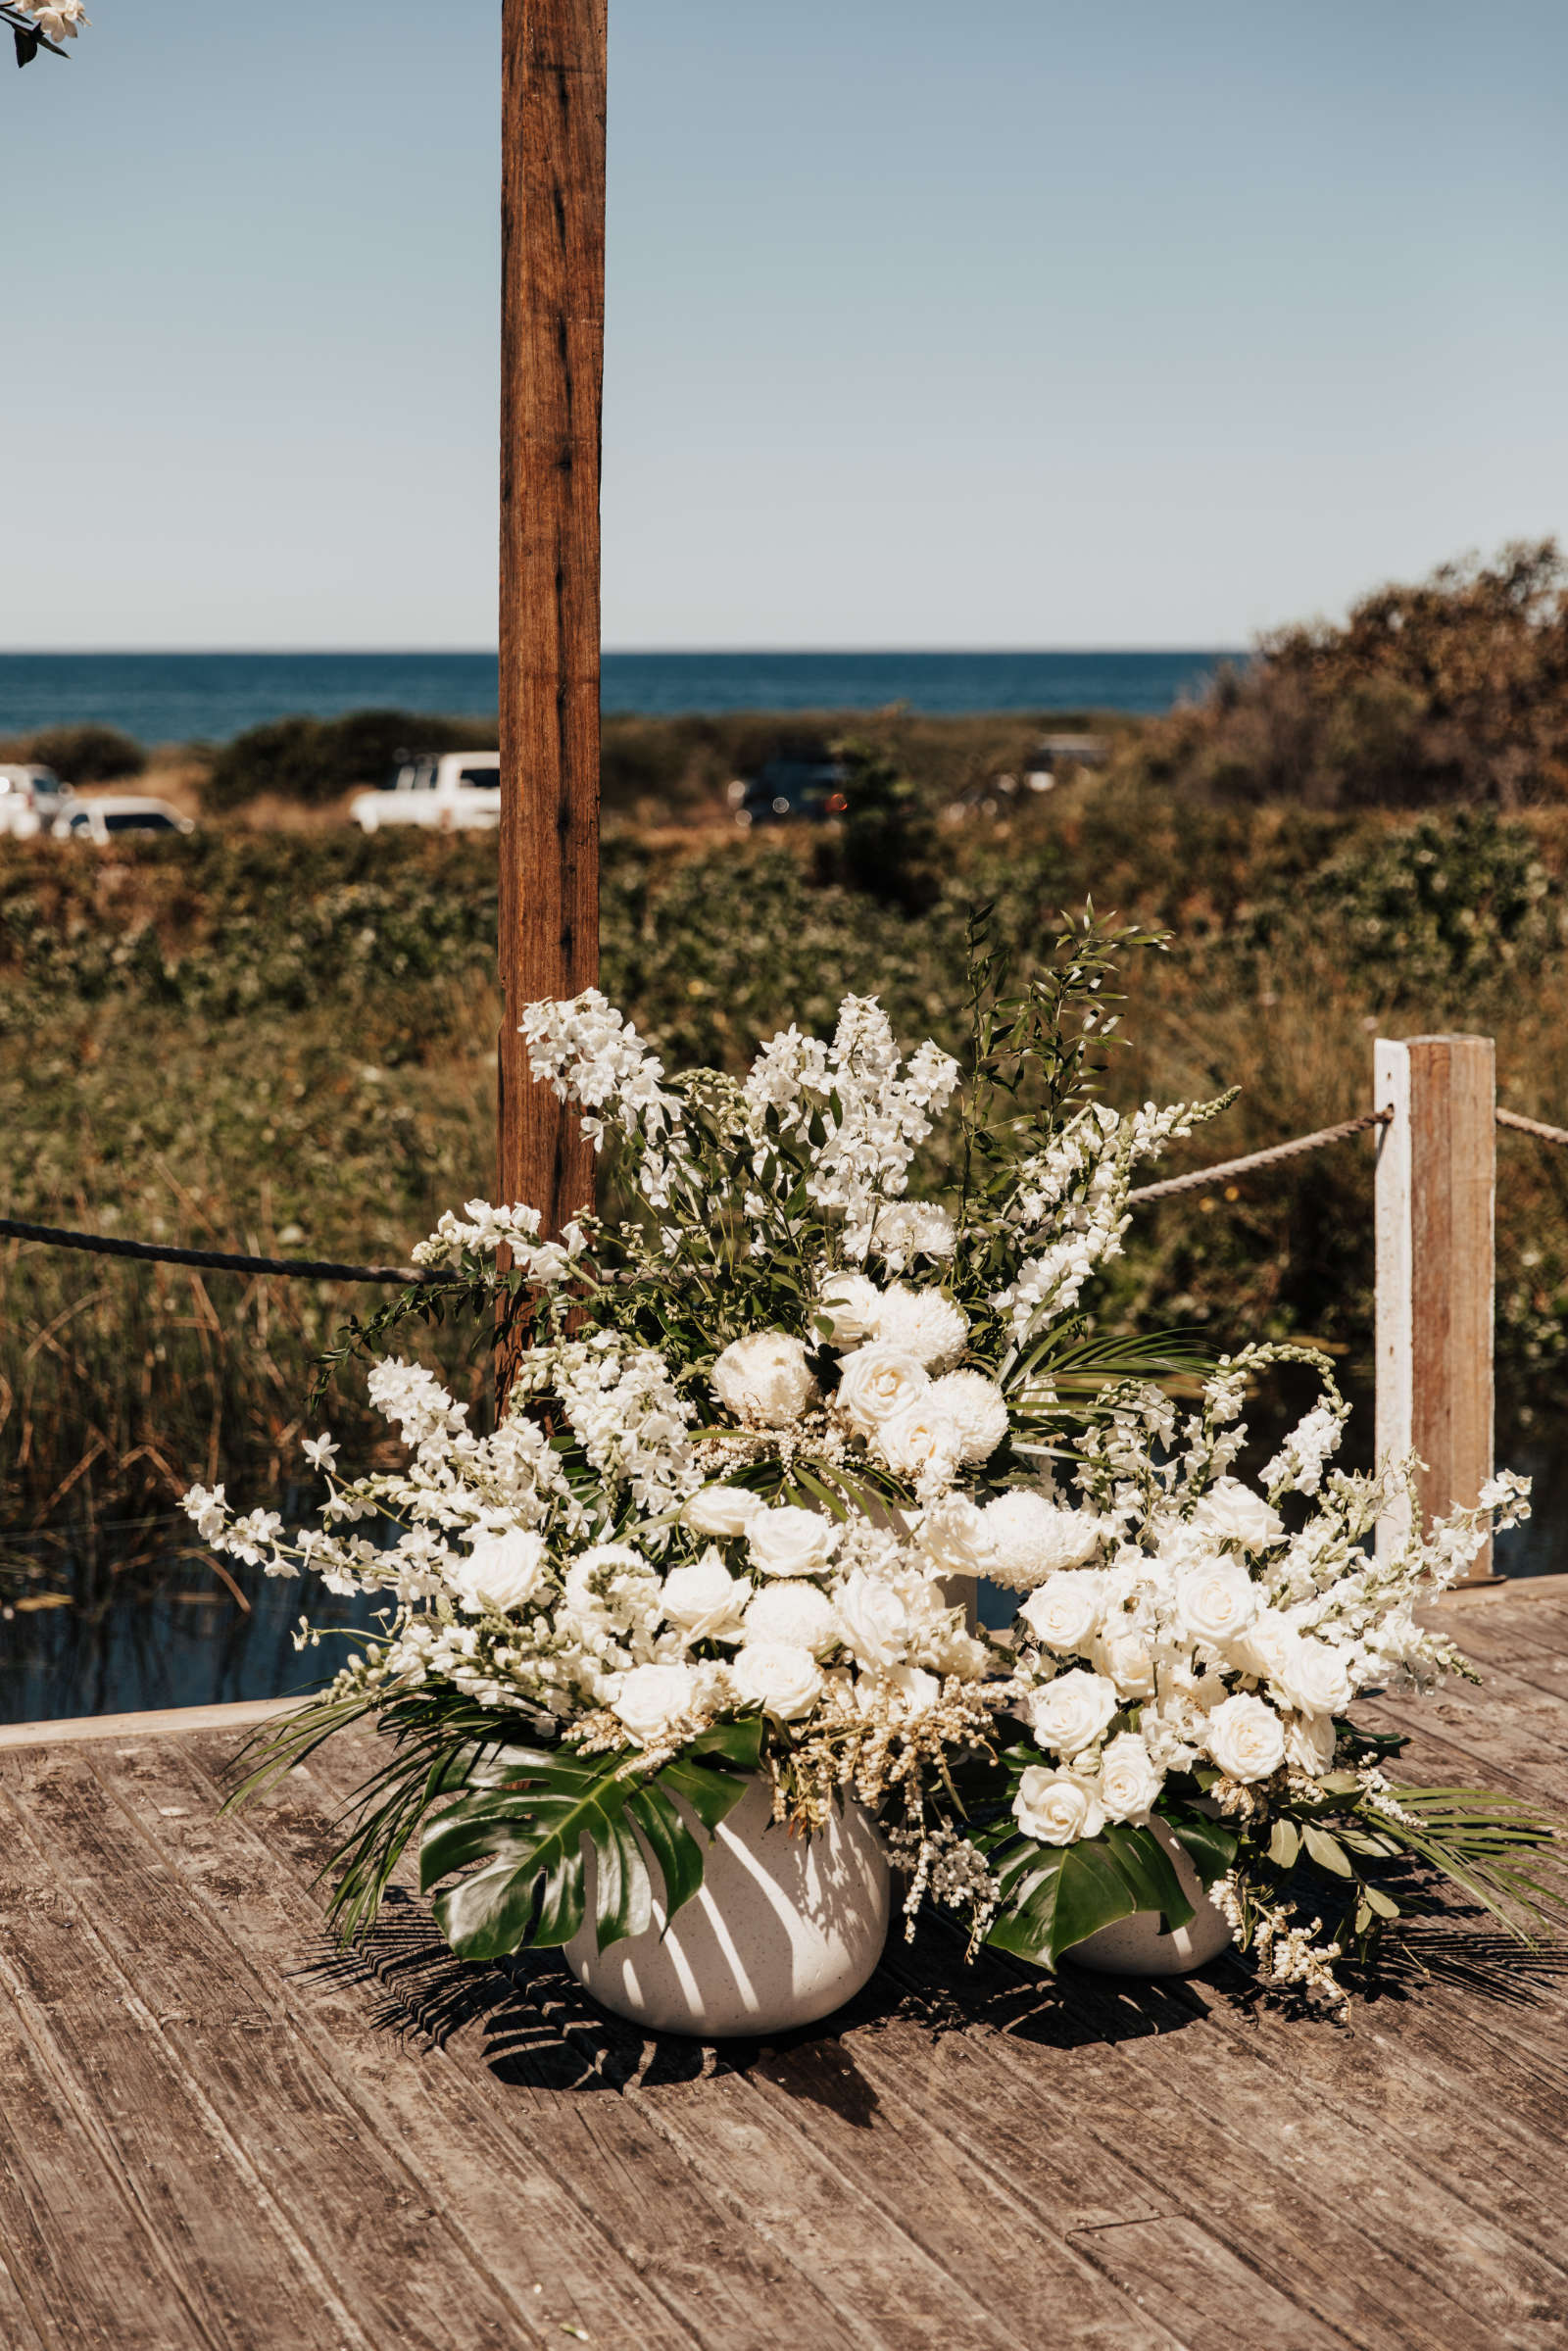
<point>588,1055</point>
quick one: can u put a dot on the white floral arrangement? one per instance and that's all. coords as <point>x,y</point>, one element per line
<point>765,1434</point>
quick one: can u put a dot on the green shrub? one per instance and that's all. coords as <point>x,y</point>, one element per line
<point>80,755</point>
<point>317,760</point>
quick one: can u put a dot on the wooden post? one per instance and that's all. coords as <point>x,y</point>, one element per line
<point>551,373</point>
<point>1436,1187</point>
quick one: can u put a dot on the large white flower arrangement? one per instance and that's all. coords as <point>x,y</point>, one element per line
<point>765,1430</point>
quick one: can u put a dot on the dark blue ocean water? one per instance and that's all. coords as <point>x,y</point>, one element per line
<point>209,696</point>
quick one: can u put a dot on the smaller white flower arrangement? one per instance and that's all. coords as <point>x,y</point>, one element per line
<point>767,1434</point>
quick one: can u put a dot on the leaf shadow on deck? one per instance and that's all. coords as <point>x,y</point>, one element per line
<point>543,2031</point>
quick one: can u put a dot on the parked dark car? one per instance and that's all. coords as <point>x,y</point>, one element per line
<point>792,791</point>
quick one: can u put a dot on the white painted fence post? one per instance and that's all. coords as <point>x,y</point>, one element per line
<point>1436,1199</point>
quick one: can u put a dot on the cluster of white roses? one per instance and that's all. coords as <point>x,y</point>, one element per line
<point>1199,1633</point>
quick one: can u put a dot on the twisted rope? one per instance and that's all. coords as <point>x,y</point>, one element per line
<point>1293,1150</point>
<point>1532,1126</point>
<point>210,1261</point>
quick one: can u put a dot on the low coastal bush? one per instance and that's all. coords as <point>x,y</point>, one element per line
<point>1452,691</point>
<point>80,755</point>
<point>286,1043</point>
<point>315,761</point>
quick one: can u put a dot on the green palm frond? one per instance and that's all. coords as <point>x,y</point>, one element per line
<point>1493,1846</point>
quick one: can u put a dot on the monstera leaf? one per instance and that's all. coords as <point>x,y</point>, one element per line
<point>1054,1897</point>
<point>530,1835</point>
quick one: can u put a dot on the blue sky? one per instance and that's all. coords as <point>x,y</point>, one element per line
<point>1016,323</point>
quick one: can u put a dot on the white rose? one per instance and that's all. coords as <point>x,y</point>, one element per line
<point>1063,1611</point>
<point>1230,1509</point>
<point>915,1691</point>
<point>1129,1777</point>
<point>706,1600</point>
<point>1217,1601</point>
<point>953,1537</point>
<point>799,1614</point>
<point>924,1324</point>
<point>764,1380</point>
<point>851,1304</point>
<point>790,1541</point>
<point>877,1382</point>
<point>725,1510</point>
<point>977,1409</point>
<point>873,1619</point>
<point>1309,1744</point>
<point>1265,1646</point>
<point>784,1679</point>
<point>1245,1738</point>
<point>1031,1538</point>
<point>501,1572</point>
<point>1316,1677</point>
<point>920,1444</point>
<point>1126,1660</point>
<point>648,1697</point>
<point>1071,1711</point>
<point>1057,1808</point>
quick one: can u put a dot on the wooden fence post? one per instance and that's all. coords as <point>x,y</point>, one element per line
<point>1436,1194</point>
<point>553,97</point>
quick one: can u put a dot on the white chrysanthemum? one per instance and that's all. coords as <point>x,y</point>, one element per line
<point>977,1409</point>
<point>924,1324</point>
<point>1031,1538</point>
<point>914,1228</point>
<point>794,1612</point>
<point>764,1380</point>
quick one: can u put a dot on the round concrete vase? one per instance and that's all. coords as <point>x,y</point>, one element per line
<point>1135,1946</point>
<point>782,1931</point>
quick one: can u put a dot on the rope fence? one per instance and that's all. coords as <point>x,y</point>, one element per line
<point>320,1270</point>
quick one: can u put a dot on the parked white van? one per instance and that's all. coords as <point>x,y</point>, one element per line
<point>452,791</point>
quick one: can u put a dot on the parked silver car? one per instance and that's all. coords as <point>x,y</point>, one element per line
<point>31,798</point>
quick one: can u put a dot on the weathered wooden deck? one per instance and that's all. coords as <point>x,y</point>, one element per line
<point>216,2134</point>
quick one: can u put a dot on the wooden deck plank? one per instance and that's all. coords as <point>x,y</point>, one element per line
<point>569,2193</point>
<point>273,2193</point>
<point>963,2158</point>
<point>814,2209</point>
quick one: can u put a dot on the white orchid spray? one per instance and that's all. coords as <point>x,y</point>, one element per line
<point>765,1433</point>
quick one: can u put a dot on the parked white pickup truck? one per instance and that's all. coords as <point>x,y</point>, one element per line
<point>453,790</point>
